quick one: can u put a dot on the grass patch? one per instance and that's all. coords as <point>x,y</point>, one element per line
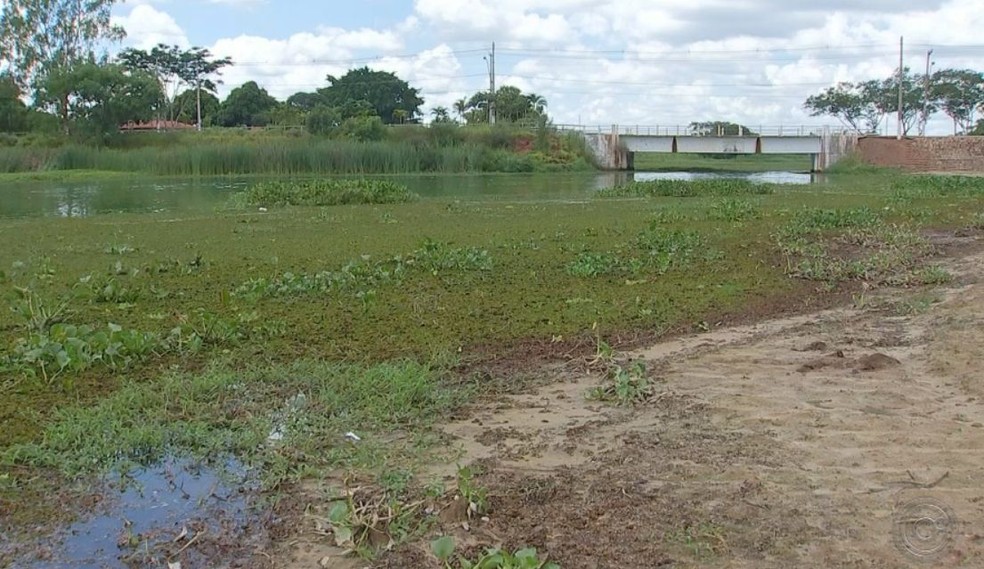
<point>284,419</point>
<point>688,188</point>
<point>324,193</point>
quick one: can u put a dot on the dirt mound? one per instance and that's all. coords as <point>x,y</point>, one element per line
<point>837,360</point>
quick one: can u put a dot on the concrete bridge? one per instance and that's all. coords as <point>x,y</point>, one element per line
<point>615,147</point>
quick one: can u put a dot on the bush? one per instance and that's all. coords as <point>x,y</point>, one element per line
<point>363,129</point>
<point>325,192</point>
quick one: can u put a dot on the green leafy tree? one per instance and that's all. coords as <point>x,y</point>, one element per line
<point>853,104</point>
<point>886,98</point>
<point>323,120</point>
<point>305,102</point>
<point>511,106</point>
<point>538,104</point>
<point>174,68</point>
<point>40,37</point>
<point>13,111</point>
<point>461,107</point>
<point>958,93</point>
<point>363,129</point>
<point>186,104</point>
<point>389,96</point>
<point>100,98</point>
<point>441,115</point>
<point>247,105</point>
<point>720,128</point>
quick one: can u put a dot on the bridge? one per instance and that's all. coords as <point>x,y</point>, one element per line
<point>614,147</point>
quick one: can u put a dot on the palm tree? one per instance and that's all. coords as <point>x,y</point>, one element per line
<point>461,107</point>
<point>441,115</point>
<point>537,103</point>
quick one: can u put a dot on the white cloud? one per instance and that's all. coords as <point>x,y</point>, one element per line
<point>611,61</point>
<point>147,26</point>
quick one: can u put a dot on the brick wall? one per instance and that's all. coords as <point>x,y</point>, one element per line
<point>929,154</point>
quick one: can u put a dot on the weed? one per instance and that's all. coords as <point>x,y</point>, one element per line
<point>654,251</point>
<point>367,520</point>
<point>688,188</point>
<point>221,411</point>
<point>624,386</point>
<point>365,277</point>
<point>443,548</point>
<point>917,304</point>
<point>589,264</point>
<point>703,541</point>
<point>734,210</point>
<point>66,348</point>
<point>474,495</point>
<point>324,193</point>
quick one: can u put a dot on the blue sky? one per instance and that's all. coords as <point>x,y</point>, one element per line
<point>646,62</point>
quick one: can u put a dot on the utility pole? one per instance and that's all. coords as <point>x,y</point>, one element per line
<point>492,85</point>
<point>925,113</point>
<point>199,104</point>
<point>901,82</point>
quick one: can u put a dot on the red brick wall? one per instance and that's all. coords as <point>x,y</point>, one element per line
<point>929,154</point>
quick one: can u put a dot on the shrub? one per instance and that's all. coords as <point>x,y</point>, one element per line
<point>325,192</point>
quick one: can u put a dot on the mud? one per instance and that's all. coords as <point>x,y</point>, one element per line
<point>179,513</point>
<point>754,451</point>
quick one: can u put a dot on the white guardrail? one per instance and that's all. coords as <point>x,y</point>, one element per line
<point>682,130</point>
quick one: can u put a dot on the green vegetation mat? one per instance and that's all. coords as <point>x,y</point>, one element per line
<point>271,335</point>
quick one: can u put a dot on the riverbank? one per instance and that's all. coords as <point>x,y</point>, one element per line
<point>224,152</point>
<point>327,343</point>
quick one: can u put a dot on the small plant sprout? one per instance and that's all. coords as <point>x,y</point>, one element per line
<point>444,547</point>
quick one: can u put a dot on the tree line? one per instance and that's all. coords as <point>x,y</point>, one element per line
<point>864,106</point>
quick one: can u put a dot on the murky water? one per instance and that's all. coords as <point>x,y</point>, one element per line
<point>176,512</point>
<point>81,199</point>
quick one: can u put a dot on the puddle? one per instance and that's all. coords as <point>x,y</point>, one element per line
<point>179,512</point>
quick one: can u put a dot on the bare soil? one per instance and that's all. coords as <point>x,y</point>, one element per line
<point>797,442</point>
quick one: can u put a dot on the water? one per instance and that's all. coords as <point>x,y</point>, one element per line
<point>179,511</point>
<point>86,198</point>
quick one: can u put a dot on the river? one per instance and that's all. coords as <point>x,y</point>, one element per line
<point>125,194</point>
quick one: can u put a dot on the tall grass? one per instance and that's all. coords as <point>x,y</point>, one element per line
<point>408,150</point>
<point>688,188</point>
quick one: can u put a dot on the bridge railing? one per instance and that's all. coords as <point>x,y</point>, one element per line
<point>686,130</point>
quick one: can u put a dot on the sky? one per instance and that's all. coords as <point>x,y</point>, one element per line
<point>597,62</point>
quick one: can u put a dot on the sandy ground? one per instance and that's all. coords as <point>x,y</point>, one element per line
<point>848,438</point>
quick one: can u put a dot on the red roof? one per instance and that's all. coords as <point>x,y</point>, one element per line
<point>156,125</point>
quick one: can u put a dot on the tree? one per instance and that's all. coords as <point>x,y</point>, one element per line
<point>13,111</point>
<point>323,120</point>
<point>40,37</point>
<point>441,115</point>
<point>385,92</point>
<point>186,105</point>
<point>174,68</point>
<point>197,69</point>
<point>537,103</point>
<point>461,107</point>
<point>852,104</point>
<point>886,97</point>
<point>511,105</point>
<point>305,102</point>
<point>720,128</point>
<point>100,98</point>
<point>958,92</point>
<point>247,105</point>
